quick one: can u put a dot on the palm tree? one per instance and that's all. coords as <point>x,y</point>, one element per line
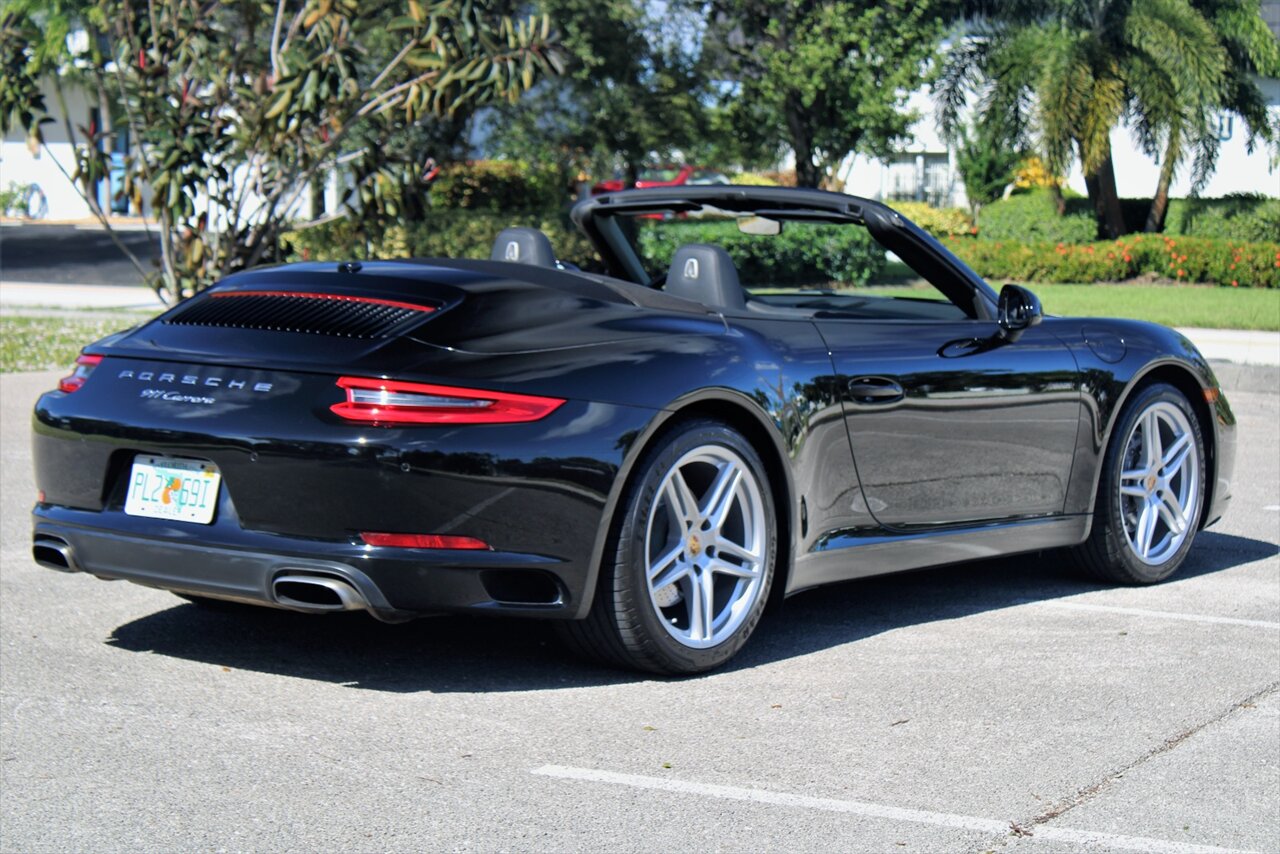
<point>1067,72</point>
<point>1187,126</point>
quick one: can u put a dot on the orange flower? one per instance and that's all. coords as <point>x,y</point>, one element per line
<point>1128,257</point>
<point>1181,272</point>
<point>1234,283</point>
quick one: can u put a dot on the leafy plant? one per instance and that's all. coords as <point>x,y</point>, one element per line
<point>237,105</point>
<point>986,157</point>
<point>940,222</point>
<point>804,254</point>
<point>1033,216</point>
<point>1183,259</point>
<point>464,233</point>
<point>822,78</point>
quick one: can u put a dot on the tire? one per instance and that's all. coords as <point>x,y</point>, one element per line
<point>1145,517</point>
<point>696,519</point>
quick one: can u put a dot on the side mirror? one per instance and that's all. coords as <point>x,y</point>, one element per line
<point>1019,310</point>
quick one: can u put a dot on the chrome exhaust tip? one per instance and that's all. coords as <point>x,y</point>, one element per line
<point>54,553</point>
<point>316,594</point>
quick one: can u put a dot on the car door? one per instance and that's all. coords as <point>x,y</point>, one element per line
<point>951,426</point>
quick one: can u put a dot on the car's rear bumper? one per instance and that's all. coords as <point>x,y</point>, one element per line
<point>391,584</point>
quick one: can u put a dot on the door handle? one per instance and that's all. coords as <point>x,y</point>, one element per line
<point>875,390</point>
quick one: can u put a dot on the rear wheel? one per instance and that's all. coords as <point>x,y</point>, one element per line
<point>1151,491</point>
<point>688,568</point>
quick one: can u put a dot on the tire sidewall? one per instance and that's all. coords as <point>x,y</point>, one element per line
<point>631,597</point>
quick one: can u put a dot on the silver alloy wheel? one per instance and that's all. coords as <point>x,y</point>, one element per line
<point>1159,484</point>
<point>705,544</point>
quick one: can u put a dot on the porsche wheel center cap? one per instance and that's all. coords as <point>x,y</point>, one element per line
<point>695,545</point>
<point>1150,483</point>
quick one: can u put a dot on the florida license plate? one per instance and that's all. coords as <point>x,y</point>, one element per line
<point>172,488</point>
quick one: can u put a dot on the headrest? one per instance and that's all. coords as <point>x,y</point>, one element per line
<point>705,274</point>
<point>523,246</point>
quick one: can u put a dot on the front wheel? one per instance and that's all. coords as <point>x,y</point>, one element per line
<point>1151,490</point>
<point>689,566</point>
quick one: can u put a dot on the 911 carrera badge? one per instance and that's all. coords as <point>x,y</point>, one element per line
<point>175,396</point>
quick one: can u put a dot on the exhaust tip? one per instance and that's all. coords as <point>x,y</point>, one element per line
<point>53,553</point>
<point>316,594</point>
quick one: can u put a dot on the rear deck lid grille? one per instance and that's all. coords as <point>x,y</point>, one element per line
<point>339,315</point>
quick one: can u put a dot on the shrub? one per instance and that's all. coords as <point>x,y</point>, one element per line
<point>940,222</point>
<point>498,186</point>
<point>1238,217</point>
<point>804,254</point>
<point>754,179</point>
<point>1032,217</point>
<point>454,234</point>
<point>1180,259</point>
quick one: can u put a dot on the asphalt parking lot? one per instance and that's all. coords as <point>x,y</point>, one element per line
<point>1001,706</point>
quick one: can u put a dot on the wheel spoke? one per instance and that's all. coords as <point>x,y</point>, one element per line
<point>665,564</point>
<point>722,494</point>
<point>1151,439</point>
<point>732,549</point>
<point>1176,455</point>
<point>726,568</point>
<point>1171,512</point>
<point>681,500</point>
<point>1146,530</point>
<point>707,602</point>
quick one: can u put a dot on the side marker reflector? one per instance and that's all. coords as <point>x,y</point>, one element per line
<point>423,541</point>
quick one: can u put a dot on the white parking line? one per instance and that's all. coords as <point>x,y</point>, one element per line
<point>1164,615</point>
<point>861,808</point>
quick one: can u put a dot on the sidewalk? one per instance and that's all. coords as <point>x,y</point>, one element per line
<point>32,295</point>
<point>1237,346</point>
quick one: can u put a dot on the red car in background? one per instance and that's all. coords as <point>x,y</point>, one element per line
<point>664,176</point>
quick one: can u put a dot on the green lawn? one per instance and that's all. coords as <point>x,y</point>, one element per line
<point>1173,305</point>
<point>35,343</point>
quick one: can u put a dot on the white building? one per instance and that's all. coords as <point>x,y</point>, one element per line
<point>48,167</point>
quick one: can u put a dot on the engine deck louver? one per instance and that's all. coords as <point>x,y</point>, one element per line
<point>309,313</point>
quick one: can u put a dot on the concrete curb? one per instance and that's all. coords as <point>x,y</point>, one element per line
<point>1253,379</point>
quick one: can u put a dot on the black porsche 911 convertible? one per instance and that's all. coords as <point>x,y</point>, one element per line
<point>649,455</point>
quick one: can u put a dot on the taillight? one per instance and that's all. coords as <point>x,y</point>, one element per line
<point>391,402</point>
<point>422,541</point>
<point>84,366</point>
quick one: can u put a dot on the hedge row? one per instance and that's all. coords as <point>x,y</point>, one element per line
<point>441,234</point>
<point>804,254</point>
<point>1033,217</point>
<point>1180,259</point>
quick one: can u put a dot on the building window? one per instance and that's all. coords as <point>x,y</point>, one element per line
<point>923,177</point>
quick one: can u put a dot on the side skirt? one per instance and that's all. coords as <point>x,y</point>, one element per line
<point>847,555</point>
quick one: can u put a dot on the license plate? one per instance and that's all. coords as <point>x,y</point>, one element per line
<point>172,488</point>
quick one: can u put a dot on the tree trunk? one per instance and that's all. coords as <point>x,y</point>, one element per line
<point>1059,200</point>
<point>807,172</point>
<point>1160,203</point>
<point>316,187</point>
<point>1106,201</point>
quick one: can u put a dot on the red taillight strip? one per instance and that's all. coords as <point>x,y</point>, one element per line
<point>393,402</point>
<point>337,297</point>
<point>85,364</point>
<point>423,541</point>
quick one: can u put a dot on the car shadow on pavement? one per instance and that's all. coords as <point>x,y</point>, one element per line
<point>466,654</point>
